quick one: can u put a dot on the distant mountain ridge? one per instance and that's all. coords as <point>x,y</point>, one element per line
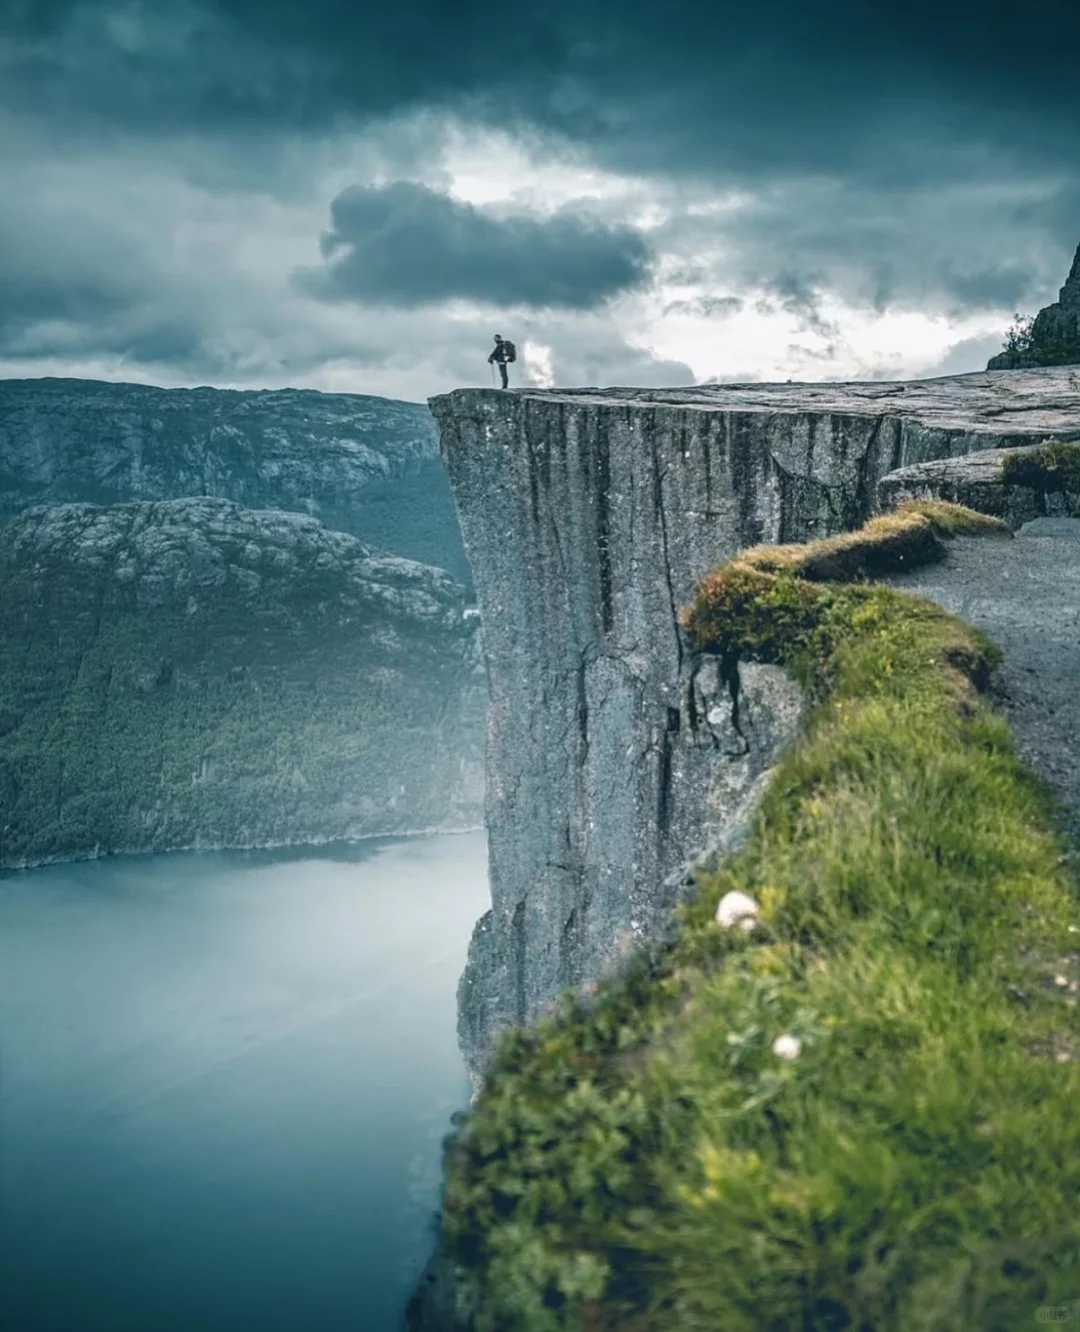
<point>364,465</point>
<point>191,673</point>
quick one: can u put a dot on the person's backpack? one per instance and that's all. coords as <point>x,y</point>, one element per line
<point>509,350</point>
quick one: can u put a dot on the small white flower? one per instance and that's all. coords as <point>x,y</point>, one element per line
<point>737,908</point>
<point>787,1046</point>
<point>1061,980</point>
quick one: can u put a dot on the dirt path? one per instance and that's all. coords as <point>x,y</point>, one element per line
<point>1025,595</point>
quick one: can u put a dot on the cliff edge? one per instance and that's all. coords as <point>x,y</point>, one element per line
<point>844,1092</point>
<point>615,754</point>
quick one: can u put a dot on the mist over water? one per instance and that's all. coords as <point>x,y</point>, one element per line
<point>224,1081</point>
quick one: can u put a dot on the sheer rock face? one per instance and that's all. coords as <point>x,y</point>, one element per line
<point>614,757</point>
<point>364,465</point>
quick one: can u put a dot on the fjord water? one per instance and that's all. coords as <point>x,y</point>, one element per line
<point>224,1083</point>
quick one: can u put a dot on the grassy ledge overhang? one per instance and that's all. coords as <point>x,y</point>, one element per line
<point>857,1105</point>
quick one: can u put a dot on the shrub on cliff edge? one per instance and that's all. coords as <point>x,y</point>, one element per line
<point>645,1159</point>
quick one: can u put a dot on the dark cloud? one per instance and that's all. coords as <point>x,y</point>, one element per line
<point>96,278</point>
<point>59,273</point>
<point>706,307</point>
<point>27,301</point>
<point>877,97</point>
<point>886,90</point>
<point>90,271</point>
<point>76,314</point>
<point>950,250</point>
<point>896,154</point>
<point>797,294</point>
<point>406,245</point>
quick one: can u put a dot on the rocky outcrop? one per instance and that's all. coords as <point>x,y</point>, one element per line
<point>1054,335</point>
<point>192,673</point>
<point>364,465</point>
<point>588,517</point>
<point>982,481</point>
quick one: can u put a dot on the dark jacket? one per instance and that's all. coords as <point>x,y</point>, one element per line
<point>499,354</point>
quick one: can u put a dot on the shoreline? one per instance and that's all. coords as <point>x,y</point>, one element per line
<point>19,867</point>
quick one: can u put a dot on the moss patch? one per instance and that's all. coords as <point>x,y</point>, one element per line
<point>1053,467</point>
<point>903,539</point>
<point>644,1160</point>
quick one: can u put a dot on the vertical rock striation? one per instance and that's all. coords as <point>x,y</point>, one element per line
<point>614,757</point>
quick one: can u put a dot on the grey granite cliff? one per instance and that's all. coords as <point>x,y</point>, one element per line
<point>192,673</point>
<point>614,758</point>
<point>364,465</point>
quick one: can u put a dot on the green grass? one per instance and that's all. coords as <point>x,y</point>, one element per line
<point>1052,467</point>
<point>643,1160</point>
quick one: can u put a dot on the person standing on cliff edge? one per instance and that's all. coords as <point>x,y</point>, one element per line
<point>503,354</point>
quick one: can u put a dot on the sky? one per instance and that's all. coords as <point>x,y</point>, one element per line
<point>355,197</point>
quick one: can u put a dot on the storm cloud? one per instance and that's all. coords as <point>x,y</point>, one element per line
<point>145,262</point>
<point>952,249</point>
<point>785,182</point>
<point>896,90</point>
<point>403,244</point>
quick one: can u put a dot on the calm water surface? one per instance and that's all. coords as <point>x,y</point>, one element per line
<point>224,1080</point>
